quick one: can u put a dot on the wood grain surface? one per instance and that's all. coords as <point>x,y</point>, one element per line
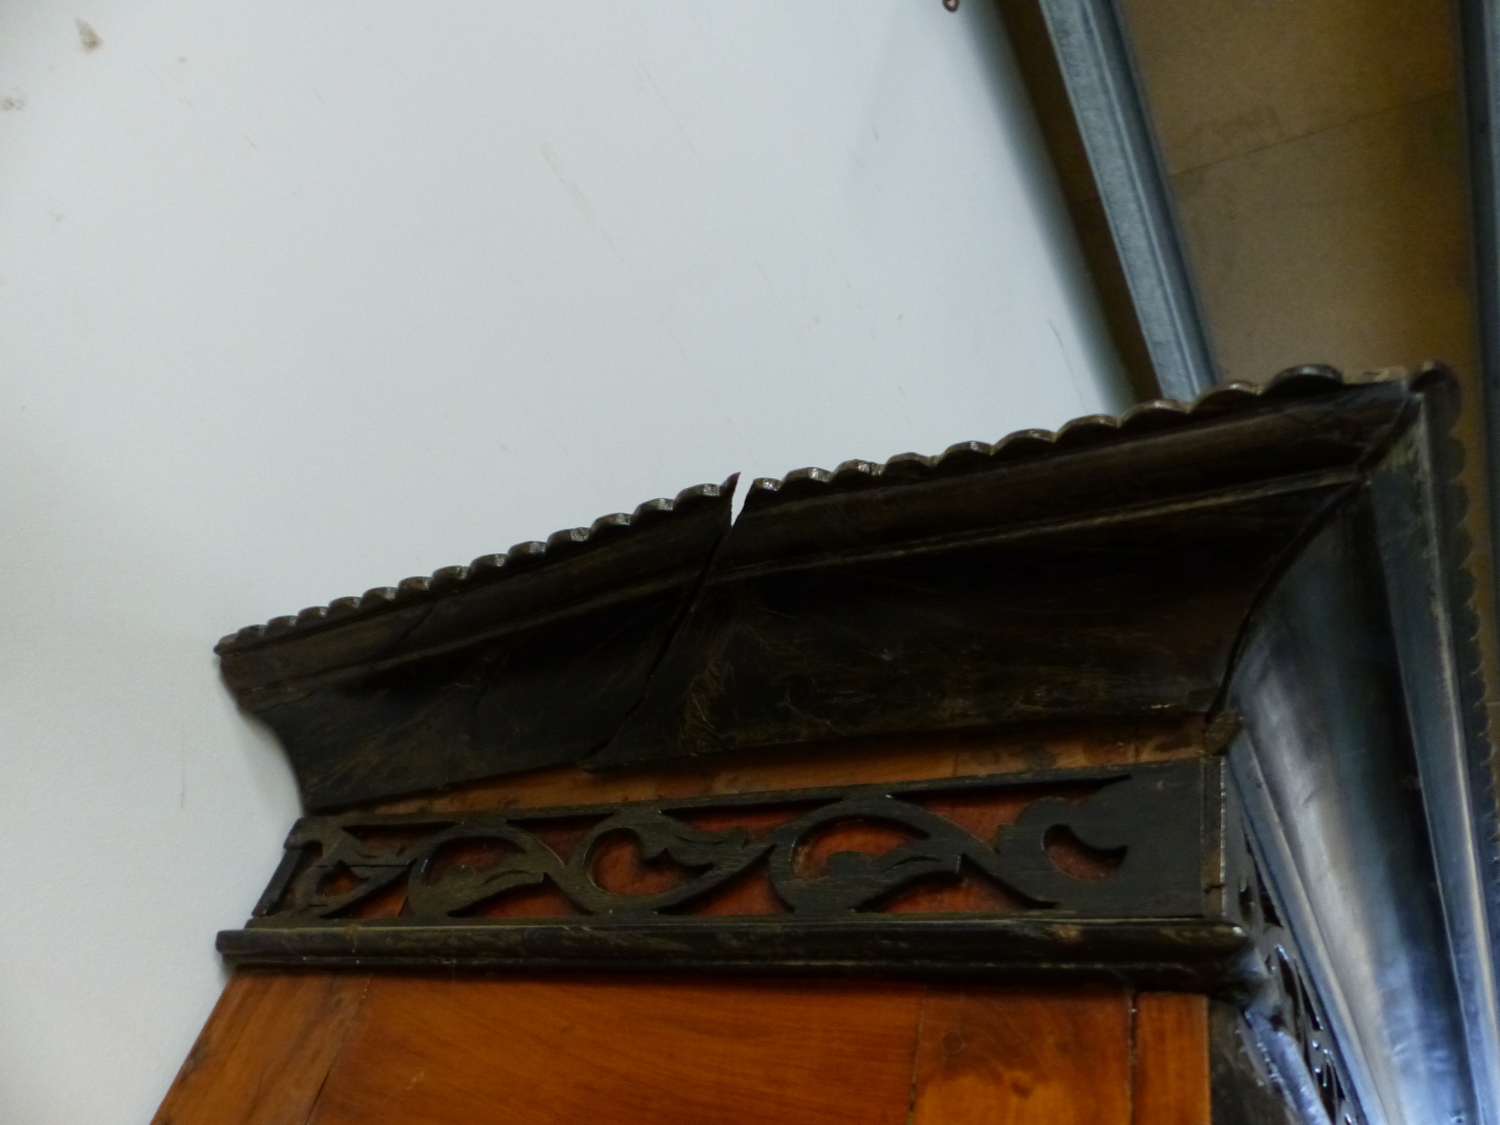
<point>265,1051</point>
<point>423,1049</point>
<point>430,1051</point>
<point>1171,1059</point>
<point>1014,1056</point>
<point>853,762</point>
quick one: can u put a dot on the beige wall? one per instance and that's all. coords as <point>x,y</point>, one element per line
<point>1315,151</point>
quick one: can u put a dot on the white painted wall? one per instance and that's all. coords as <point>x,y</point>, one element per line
<point>298,298</point>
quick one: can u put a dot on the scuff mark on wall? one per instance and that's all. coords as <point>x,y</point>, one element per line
<point>579,200</point>
<point>88,38</point>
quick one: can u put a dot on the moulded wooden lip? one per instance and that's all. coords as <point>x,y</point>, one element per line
<point>1188,956</point>
<point>1099,572</point>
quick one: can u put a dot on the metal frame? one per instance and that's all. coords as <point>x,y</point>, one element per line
<point>1093,52</point>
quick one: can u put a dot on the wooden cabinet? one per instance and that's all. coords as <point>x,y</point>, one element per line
<point>1036,782</point>
<point>432,1049</point>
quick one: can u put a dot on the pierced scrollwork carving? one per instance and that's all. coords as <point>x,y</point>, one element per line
<point>1284,1011</point>
<point>1122,843</point>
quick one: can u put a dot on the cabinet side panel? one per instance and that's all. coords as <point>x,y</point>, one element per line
<point>1171,1060</point>
<point>630,1050</point>
<point>266,1050</point>
<point>1015,1054</point>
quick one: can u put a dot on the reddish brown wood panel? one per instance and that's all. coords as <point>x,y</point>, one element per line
<point>1013,1056</point>
<point>414,1049</point>
<point>265,1051</point>
<point>1171,1059</point>
<point>618,865</point>
<point>568,1052</point>
<point>435,1051</point>
<point>852,762</point>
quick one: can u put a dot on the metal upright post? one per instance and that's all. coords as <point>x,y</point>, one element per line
<point>1094,55</point>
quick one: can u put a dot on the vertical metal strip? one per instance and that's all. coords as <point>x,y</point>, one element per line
<point>1099,72</point>
<point>1479,51</point>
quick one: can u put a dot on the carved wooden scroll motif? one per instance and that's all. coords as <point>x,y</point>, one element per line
<point>1105,868</point>
<point>656,744</point>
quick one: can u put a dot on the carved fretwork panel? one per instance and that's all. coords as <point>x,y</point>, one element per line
<point>1064,845</point>
<point>1290,1045</point>
<point>1025,864</point>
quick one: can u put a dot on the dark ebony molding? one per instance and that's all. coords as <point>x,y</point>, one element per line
<point>520,660</point>
<point>1099,572</point>
<point>1419,510</point>
<point>1178,956</point>
<point>1107,578</point>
